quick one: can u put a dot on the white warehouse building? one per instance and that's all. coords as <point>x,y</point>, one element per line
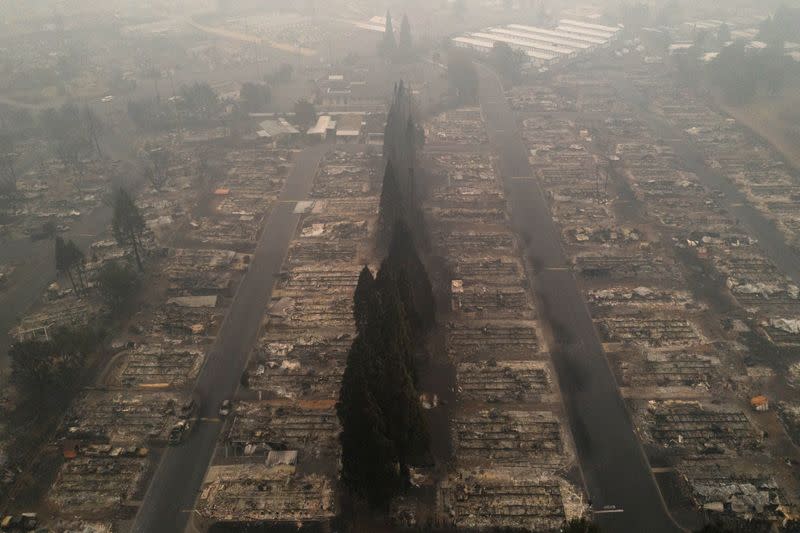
<point>543,46</point>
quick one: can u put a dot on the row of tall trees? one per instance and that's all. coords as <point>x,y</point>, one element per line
<point>400,48</point>
<point>384,431</point>
<point>400,194</point>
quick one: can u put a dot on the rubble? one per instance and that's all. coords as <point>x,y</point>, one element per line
<point>508,437</point>
<point>694,428</point>
<point>505,497</point>
<point>309,426</point>
<point>503,381</point>
<point>153,366</point>
<point>93,485</point>
<point>260,493</point>
<point>122,418</point>
<point>649,330</point>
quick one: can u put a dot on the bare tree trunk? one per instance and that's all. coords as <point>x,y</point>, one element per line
<point>72,281</point>
<point>135,244</point>
<point>79,272</point>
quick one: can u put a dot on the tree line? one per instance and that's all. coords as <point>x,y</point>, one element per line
<point>384,431</point>
<point>397,48</point>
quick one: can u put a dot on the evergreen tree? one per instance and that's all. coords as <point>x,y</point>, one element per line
<point>369,465</point>
<point>388,45</point>
<point>362,298</point>
<point>383,425</point>
<point>389,325</point>
<point>404,45</point>
<point>127,224</point>
<point>403,257</point>
<point>388,336</point>
<point>391,205</point>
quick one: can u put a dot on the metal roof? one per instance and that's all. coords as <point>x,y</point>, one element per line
<point>488,45</point>
<point>563,39</point>
<point>523,43</point>
<point>548,35</point>
<point>578,41</point>
<point>570,32</point>
<point>574,30</point>
<point>540,42</point>
<point>589,25</point>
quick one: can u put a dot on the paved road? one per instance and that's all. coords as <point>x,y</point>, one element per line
<point>771,241</point>
<point>614,466</point>
<point>168,504</point>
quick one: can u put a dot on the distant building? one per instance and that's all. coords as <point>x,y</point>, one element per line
<point>349,127</point>
<point>276,130</point>
<point>325,125</point>
<point>542,46</point>
<point>334,90</point>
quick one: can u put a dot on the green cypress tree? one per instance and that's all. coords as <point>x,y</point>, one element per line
<point>404,45</point>
<point>396,392</point>
<point>363,295</point>
<point>391,206</point>
<point>403,256</point>
<point>369,458</point>
<point>388,46</point>
<point>390,324</point>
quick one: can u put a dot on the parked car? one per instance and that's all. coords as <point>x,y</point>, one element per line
<point>179,432</point>
<point>225,408</point>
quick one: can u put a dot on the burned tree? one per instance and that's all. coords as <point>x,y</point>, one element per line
<point>157,172</point>
<point>93,128</point>
<point>127,224</point>
<point>70,262</point>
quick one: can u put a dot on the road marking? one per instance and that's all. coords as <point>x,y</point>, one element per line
<point>556,269</point>
<point>523,177</point>
<point>212,420</point>
<point>737,205</point>
<point>607,511</point>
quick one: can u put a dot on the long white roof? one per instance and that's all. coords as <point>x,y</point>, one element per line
<point>536,43</point>
<point>520,43</point>
<point>483,43</point>
<point>581,34</point>
<point>589,25</point>
<point>558,34</point>
<point>555,37</point>
<point>575,30</point>
<point>540,41</point>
